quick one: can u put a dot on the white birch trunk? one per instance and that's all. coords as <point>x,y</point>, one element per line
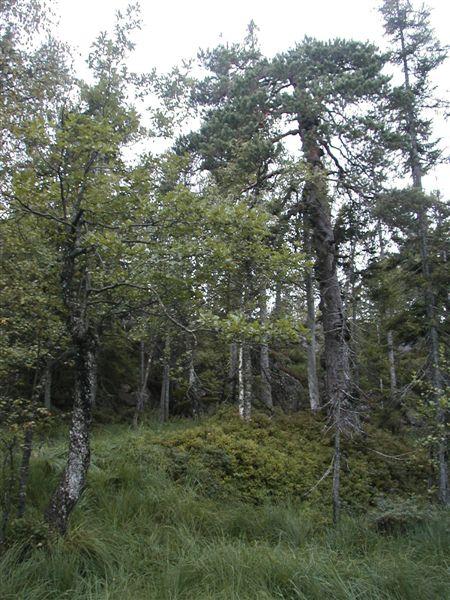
<point>264,362</point>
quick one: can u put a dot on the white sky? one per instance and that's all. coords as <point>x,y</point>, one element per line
<point>175,29</point>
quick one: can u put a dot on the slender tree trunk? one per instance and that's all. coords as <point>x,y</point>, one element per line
<point>233,371</point>
<point>336,476</point>
<point>8,477</point>
<point>24,470</point>
<point>389,337</point>
<point>392,370</point>
<point>380,378</point>
<point>165,389</point>
<point>313,381</point>
<point>73,478</point>
<point>430,300</point>
<point>278,306</point>
<point>248,383</point>
<point>240,369</point>
<point>193,387</point>
<point>142,394</point>
<point>264,362</point>
<point>27,447</point>
<point>48,385</point>
<point>244,381</point>
<point>353,344</point>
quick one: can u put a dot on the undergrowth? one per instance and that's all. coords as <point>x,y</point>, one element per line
<point>152,527</point>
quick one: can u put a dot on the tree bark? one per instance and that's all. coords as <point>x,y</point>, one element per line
<point>313,382</point>
<point>244,381</point>
<point>27,449</point>
<point>248,383</point>
<point>389,336</point>
<point>233,371</point>
<point>264,362</point>
<point>75,284</point>
<point>430,300</point>
<point>73,479</point>
<point>336,477</point>
<point>24,470</point>
<point>337,370</point>
<point>392,370</point>
<point>336,355</point>
<point>193,391</point>
<point>48,385</point>
<point>165,388</point>
<point>142,394</point>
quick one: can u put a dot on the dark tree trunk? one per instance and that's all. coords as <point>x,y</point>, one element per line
<point>337,371</point>
<point>165,388</point>
<point>48,385</point>
<point>8,476</point>
<point>336,354</point>
<point>336,477</point>
<point>24,470</point>
<point>26,451</point>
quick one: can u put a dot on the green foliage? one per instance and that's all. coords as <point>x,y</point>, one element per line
<point>396,516</point>
<point>284,457</point>
<point>138,534</point>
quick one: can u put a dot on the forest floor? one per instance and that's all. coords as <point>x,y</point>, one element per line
<point>221,510</point>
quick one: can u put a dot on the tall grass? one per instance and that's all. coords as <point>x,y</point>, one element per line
<point>138,535</point>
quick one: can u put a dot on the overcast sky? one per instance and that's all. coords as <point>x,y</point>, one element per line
<point>175,29</point>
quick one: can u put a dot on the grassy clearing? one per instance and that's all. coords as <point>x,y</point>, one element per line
<point>139,534</point>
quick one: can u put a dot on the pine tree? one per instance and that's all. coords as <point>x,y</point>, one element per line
<point>418,54</point>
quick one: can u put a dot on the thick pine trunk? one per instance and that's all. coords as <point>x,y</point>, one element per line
<point>336,354</point>
<point>73,478</point>
<point>337,370</point>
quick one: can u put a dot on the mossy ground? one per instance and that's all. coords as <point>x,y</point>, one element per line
<point>218,509</point>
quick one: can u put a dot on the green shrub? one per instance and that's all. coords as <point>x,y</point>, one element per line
<point>138,533</point>
<point>396,515</point>
<point>283,458</point>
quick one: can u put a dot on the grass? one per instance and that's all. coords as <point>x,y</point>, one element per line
<point>138,534</point>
